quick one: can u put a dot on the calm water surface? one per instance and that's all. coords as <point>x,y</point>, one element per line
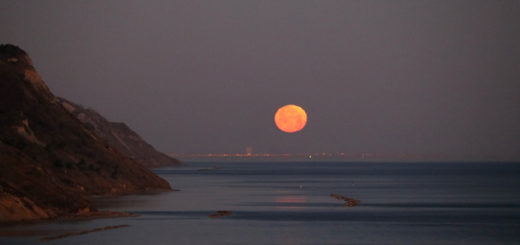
<point>289,203</point>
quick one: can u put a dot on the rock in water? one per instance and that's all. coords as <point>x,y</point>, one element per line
<point>50,162</point>
<point>349,202</point>
<point>220,214</point>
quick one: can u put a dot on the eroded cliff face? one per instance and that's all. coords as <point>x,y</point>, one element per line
<point>120,136</point>
<point>50,162</point>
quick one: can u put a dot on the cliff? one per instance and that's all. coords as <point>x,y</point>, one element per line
<point>120,136</point>
<point>50,162</point>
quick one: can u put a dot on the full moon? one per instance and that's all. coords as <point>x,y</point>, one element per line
<point>290,118</point>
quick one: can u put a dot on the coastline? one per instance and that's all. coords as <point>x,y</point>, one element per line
<point>88,213</point>
<point>46,235</point>
<point>64,218</point>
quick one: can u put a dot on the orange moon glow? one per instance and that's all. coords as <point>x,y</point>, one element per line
<point>290,118</point>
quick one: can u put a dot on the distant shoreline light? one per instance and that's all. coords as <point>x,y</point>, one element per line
<point>339,156</point>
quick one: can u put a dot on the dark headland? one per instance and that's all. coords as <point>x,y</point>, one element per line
<point>120,136</point>
<point>51,162</point>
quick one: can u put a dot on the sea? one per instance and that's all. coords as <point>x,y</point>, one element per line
<point>291,203</point>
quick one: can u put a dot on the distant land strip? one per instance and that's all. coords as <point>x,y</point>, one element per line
<point>366,156</point>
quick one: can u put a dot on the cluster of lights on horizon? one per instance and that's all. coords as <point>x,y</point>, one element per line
<point>328,155</point>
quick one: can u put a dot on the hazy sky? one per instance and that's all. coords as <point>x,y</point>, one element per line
<point>435,77</point>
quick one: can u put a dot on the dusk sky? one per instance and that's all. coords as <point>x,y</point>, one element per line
<point>417,77</point>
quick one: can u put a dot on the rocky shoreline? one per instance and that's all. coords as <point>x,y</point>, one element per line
<point>52,163</point>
